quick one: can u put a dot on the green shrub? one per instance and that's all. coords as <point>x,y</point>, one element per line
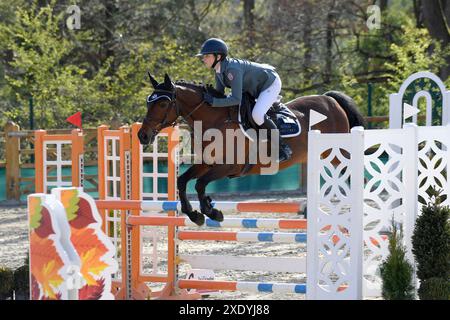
<point>431,247</point>
<point>434,289</point>
<point>22,282</point>
<point>396,271</point>
<point>6,283</point>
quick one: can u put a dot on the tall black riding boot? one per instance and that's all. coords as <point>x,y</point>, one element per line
<point>285,151</point>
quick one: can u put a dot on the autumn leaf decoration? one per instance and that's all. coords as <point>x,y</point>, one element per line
<point>35,212</point>
<point>90,249</point>
<point>69,199</point>
<point>45,261</point>
<point>79,212</point>
<point>45,265</point>
<point>87,243</point>
<point>92,292</point>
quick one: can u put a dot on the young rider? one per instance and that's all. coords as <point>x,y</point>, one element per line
<point>259,80</point>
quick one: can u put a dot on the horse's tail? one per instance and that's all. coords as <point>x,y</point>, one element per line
<point>355,117</point>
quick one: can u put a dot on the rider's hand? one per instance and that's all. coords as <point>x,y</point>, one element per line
<point>208,98</point>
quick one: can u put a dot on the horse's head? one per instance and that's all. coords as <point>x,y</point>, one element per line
<point>161,110</point>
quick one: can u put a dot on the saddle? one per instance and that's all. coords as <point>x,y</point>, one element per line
<point>286,122</point>
<point>284,119</point>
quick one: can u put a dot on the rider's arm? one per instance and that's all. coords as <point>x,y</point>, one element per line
<point>233,99</point>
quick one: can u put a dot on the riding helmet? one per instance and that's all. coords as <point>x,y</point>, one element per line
<point>214,45</point>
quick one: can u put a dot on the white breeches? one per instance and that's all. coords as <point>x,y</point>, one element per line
<point>266,100</point>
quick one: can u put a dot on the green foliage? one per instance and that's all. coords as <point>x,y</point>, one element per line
<point>397,50</point>
<point>15,280</point>
<point>124,93</point>
<point>43,68</point>
<point>39,66</point>
<point>412,54</point>
<point>434,289</point>
<point>22,281</point>
<point>396,271</point>
<point>101,69</point>
<point>6,283</point>
<point>431,242</point>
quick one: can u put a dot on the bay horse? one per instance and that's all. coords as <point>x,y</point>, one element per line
<point>171,102</point>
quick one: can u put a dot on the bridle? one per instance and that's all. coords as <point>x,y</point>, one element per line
<point>173,103</point>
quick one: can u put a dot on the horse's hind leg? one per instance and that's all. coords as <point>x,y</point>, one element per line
<point>216,173</point>
<point>186,208</point>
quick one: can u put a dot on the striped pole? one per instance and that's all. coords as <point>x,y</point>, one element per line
<point>277,237</point>
<point>247,286</point>
<point>259,223</point>
<point>240,207</point>
<point>243,286</point>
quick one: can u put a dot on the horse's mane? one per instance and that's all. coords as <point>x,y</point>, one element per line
<point>201,87</point>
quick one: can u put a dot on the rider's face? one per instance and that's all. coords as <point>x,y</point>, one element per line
<point>208,60</point>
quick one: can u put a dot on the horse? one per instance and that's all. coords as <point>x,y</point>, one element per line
<point>171,103</point>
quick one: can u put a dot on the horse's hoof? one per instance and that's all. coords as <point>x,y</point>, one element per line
<point>196,217</point>
<point>215,215</point>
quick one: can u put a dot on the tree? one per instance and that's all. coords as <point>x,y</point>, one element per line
<point>436,18</point>
<point>37,66</point>
<point>396,271</point>
<point>249,21</point>
<point>100,69</point>
<point>431,248</point>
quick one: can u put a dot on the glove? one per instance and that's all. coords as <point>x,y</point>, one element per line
<point>208,98</point>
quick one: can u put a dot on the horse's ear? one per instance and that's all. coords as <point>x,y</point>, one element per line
<point>167,82</point>
<point>152,80</point>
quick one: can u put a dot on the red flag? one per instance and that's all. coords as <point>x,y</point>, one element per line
<point>75,119</point>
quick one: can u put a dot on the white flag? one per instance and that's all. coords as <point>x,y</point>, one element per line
<point>315,117</point>
<point>409,111</point>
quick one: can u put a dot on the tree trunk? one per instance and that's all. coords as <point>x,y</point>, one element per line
<point>434,14</point>
<point>109,40</point>
<point>307,40</point>
<point>195,18</point>
<point>418,13</point>
<point>249,21</point>
<point>329,48</point>
<point>383,5</point>
<point>446,5</point>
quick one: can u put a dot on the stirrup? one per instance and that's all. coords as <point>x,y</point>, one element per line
<point>284,151</point>
<point>285,157</point>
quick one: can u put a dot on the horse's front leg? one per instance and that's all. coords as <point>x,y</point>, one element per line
<point>215,173</point>
<point>182,181</point>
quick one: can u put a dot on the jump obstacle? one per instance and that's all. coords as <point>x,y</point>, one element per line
<point>117,143</point>
<point>325,236</point>
<point>130,265</point>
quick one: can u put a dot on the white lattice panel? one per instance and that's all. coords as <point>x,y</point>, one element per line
<point>334,215</point>
<point>434,157</point>
<point>388,193</point>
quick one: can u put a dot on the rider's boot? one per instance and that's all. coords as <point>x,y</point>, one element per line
<point>285,151</point>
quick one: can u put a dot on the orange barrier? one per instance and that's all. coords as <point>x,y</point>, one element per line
<point>130,178</point>
<point>42,164</point>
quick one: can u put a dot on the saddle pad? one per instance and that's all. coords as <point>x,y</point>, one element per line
<point>288,127</point>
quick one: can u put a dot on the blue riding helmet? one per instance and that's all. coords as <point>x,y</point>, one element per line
<point>214,46</point>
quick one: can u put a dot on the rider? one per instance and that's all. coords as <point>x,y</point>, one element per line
<point>259,80</point>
